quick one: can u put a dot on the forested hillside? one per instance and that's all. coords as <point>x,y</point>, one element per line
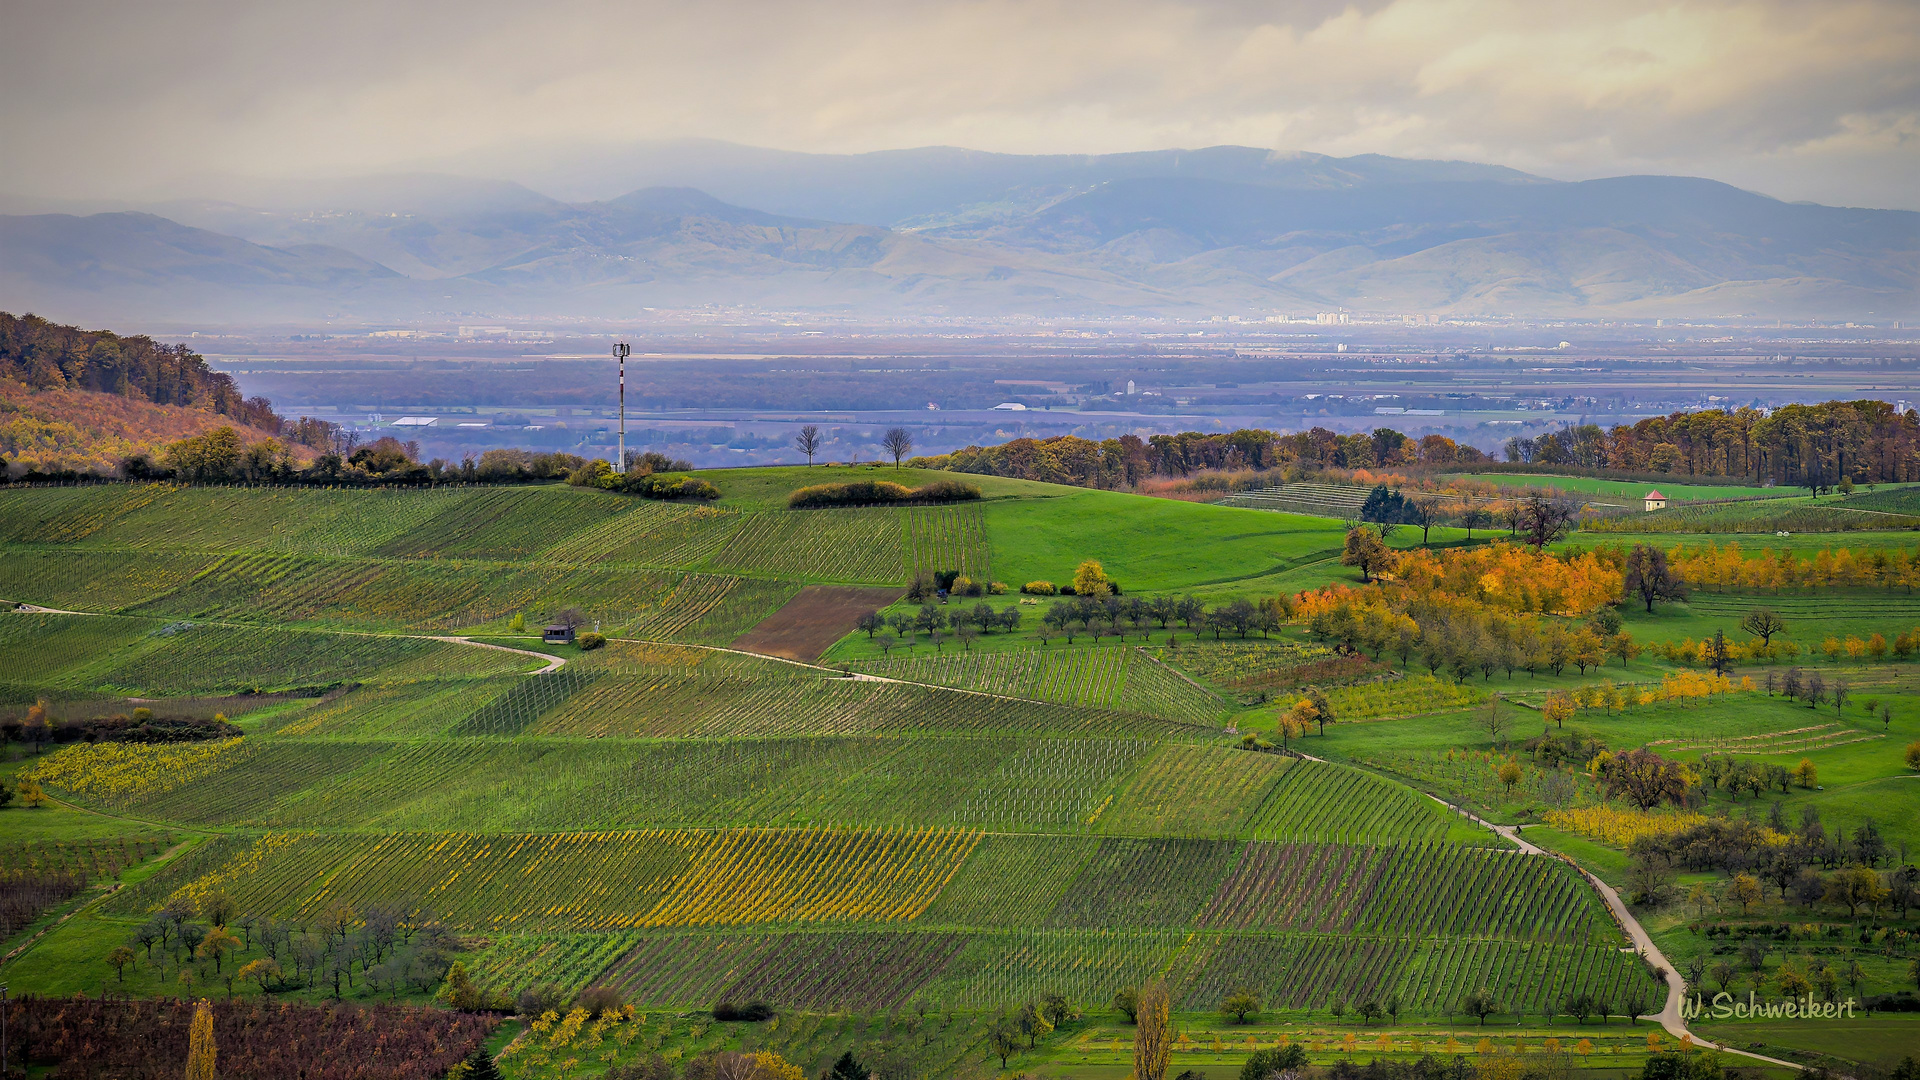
<point>48,356</point>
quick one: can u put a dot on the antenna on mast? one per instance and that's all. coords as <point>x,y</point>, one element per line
<point>620,352</point>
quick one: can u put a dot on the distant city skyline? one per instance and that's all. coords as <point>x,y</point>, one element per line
<point>1795,99</point>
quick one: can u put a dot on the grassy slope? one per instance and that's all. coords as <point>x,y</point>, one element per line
<point>1157,544</point>
<point>1622,489</point>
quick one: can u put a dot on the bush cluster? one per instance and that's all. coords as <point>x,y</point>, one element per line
<point>871,492</point>
<point>644,478</point>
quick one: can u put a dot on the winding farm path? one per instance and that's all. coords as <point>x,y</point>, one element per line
<point>1643,943</point>
<point>554,663</point>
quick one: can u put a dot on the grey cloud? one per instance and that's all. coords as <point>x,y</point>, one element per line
<point>1800,99</point>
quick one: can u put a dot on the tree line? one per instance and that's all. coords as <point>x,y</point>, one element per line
<point>223,456</point>
<point>1815,446</point>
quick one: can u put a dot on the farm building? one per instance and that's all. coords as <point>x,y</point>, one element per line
<point>1656,501</point>
<point>558,634</point>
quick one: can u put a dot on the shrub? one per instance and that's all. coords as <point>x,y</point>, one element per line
<point>868,492</point>
<point>535,1000</point>
<point>751,1011</point>
<point>590,641</point>
<point>946,491</point>
<point>1039,588</point>
<point>600,1000</point>
<point>997,588</point>
<point>654,486</point>
<point>964,586</point>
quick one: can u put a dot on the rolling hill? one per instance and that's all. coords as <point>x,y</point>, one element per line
<point>951,231</point>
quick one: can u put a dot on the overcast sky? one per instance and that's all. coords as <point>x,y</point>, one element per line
<point>1803,100</point>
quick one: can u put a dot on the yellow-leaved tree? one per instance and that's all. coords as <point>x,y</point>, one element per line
<point>1091,580</point>
<point>771,1066</point>
<point>200,1048</point>
<point>1153,1035</point>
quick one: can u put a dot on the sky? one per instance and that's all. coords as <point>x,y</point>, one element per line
<point>1800,99</point>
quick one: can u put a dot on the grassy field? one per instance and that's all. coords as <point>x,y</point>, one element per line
<point>1625,490</point>
<point>891,848</point>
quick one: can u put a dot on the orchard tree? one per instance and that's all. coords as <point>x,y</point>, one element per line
<point>1509,774</point>
<point>1649,578</point>
<point>1763,623</point>
<point>1646,778</point>
<point>1543,520</point>
<point>118,958</point>
<point>1366,550</point>
<point>1240,1005</point>
<point>1475,517</point>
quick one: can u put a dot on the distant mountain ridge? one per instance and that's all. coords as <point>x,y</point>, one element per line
<point>1219,230</point>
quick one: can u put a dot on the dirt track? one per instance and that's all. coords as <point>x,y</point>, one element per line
<point>806,625</point>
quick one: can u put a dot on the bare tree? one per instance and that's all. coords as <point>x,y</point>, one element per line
<point>899,443</point>
<point>808,442</point>
<point>1475,517</point>
<point>1543,520</point>
<point>1423,514</point>
<point>1763,623</point>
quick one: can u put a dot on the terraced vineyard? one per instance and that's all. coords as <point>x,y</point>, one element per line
<point>1324,802</point>
<point>1115,678</point>
<point>1341,501</point>
<point>687,822</point>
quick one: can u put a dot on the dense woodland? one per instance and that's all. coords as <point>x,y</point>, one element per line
<point>48,356</point>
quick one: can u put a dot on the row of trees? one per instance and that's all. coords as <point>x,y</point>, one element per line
<point>386,948</point>
<point>1804,863</point>
<point>1814,446</point>
<point>1071,617</point>
<point>223,456</point>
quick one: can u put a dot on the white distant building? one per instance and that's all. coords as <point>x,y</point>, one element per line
<point>1333,318</point>
<point>1656,501</point>
<point>1010,406</point>
<point>416,421</point>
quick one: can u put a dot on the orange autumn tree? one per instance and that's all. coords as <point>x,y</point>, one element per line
<point>1717,566</point>
<point>1471,611</point>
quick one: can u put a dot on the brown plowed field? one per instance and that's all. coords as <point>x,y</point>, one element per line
<point>806,625</point>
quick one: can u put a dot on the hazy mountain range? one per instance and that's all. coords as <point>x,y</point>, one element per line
<point>1224,230</point>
